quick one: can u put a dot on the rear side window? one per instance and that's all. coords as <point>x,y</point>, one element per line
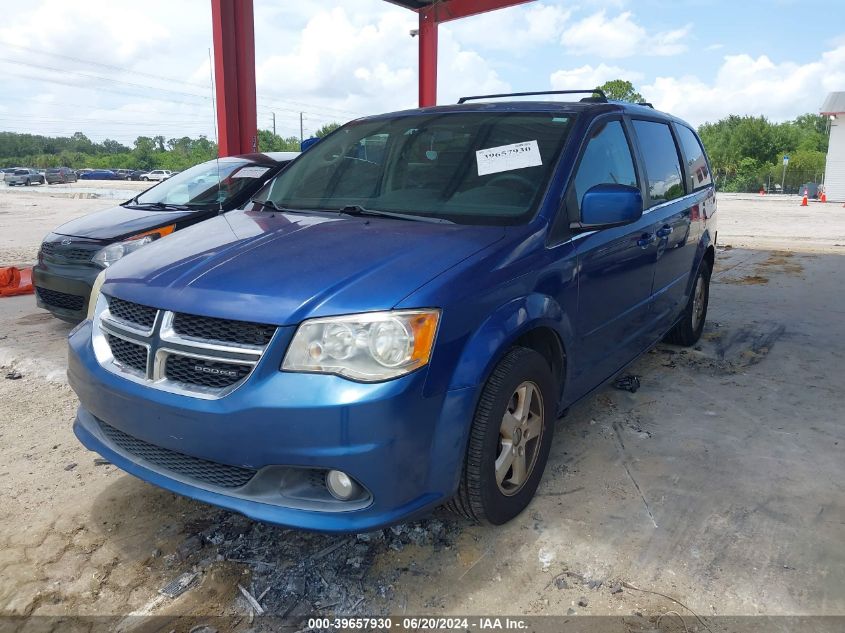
<point>661,161</point>
<point>606,160</point>
<point>697,170</point>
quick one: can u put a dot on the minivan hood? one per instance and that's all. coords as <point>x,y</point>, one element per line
<point>281,268</point>
<point>120,222</point>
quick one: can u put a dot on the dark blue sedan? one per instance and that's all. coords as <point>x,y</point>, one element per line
<point>399,318</point>
<point>99,174</point>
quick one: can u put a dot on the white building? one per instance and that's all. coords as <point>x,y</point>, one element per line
<point>834,173</point>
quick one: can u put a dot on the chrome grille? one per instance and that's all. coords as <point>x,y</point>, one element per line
<point>225,330</point>
<point>206,373</point>
<point>128,353</point>
<point>134,313</point>
<point>195,468</point>
<point>142,344</point>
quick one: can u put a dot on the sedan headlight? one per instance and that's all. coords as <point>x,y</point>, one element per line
<point>369,347</point>
<point>107,256</point>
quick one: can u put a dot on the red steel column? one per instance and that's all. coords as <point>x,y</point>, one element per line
<point>234,76</point>
<point>428,58</point>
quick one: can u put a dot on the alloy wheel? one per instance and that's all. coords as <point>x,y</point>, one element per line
<point>519,438</point>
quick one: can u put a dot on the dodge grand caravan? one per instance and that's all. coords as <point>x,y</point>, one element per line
<point>397,320</point>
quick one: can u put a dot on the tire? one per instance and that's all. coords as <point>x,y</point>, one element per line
<point>145,179</point>
<point>27,183</point>
<point>688,330</point>
<point>481,496</point>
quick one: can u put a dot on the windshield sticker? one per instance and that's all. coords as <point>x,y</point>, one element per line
<point>508,157</point>
<point>251,172</point>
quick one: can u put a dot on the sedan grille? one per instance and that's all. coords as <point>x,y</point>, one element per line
<point>61,299</point>
<point>223,330</point>
<point>57,252</point>
<point>201,470</point>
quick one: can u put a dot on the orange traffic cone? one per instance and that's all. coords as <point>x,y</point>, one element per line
<point>823,197</point>
<point>804,199</point>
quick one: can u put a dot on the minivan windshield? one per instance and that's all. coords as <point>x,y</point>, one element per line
<point>466,167</point>
<point>198,186</point>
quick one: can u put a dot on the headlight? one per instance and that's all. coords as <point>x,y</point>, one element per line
<point>95,293</point>
<point>107,256</point>
<point>369,347</point>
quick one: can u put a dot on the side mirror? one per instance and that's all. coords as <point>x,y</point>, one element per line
<point>608,205</point>
<point>308,143</point>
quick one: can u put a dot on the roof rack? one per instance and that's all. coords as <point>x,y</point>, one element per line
<point>646,104</point>
<point>596,94</point>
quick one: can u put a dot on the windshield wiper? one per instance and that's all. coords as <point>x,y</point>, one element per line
<point>269,204</point>
<point>159,205</point>
<point>358,210</point>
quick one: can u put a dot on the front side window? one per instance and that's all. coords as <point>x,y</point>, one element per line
<point>662,165</point>
<point>697,170</point>
<point>207,184</point>
<point>466,167</point>
<point>606,160</point>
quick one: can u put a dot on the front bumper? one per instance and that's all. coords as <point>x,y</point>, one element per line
<point>404,446</point>
<point>74,281</point>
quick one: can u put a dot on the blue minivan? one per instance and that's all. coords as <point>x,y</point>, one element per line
<point>397,320</point>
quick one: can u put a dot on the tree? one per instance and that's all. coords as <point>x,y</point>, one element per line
<point>327,129</point>
<point>620,90</point>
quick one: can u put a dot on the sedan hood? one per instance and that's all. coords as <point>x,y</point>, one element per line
<point>119,222</point>
<point>281,268</point>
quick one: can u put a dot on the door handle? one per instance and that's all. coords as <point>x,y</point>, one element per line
<point>664,231</point>
<point>646,239</point>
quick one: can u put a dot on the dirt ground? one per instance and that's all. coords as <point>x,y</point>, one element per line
<point>716,489</point>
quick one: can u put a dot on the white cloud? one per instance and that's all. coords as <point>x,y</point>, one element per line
<point>621,36</point>
<point>365,67</point>
<point>587,77</point>
<point>516,29</point>
<point>754,86</point>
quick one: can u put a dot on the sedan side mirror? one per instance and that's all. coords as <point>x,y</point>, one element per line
<point>608,205</point>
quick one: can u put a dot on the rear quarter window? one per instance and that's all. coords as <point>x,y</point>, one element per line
<point>662,164</point>
<point>698,171</point>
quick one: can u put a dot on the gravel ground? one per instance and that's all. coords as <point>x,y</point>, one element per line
<point>717,485</point>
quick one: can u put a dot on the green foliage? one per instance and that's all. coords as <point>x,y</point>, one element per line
<point>327,129</point>
<point>746,152</point>
<point>620,90</point>
<point>269,142</point>
<point>78,151</point>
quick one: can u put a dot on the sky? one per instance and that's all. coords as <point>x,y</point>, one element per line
<point>119,69</point>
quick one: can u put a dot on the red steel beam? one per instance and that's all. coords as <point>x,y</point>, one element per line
<point>234,76</point>
<point>456,9</point>
<point>428,59</point>
<point>430,17</point>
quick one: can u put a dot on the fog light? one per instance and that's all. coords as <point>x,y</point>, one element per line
<point>341,485</point>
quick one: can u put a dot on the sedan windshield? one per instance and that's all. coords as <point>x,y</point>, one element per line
<point>208,184</point>
<point>466,167</point>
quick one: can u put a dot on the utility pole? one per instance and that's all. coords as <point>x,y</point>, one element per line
<point>301,134</point>
<point>783,178</point>
<point>274,124</point>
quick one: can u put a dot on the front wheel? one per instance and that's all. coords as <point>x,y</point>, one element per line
<point>145,179</point>
<point>509,441</point>
<point>688,330</point>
